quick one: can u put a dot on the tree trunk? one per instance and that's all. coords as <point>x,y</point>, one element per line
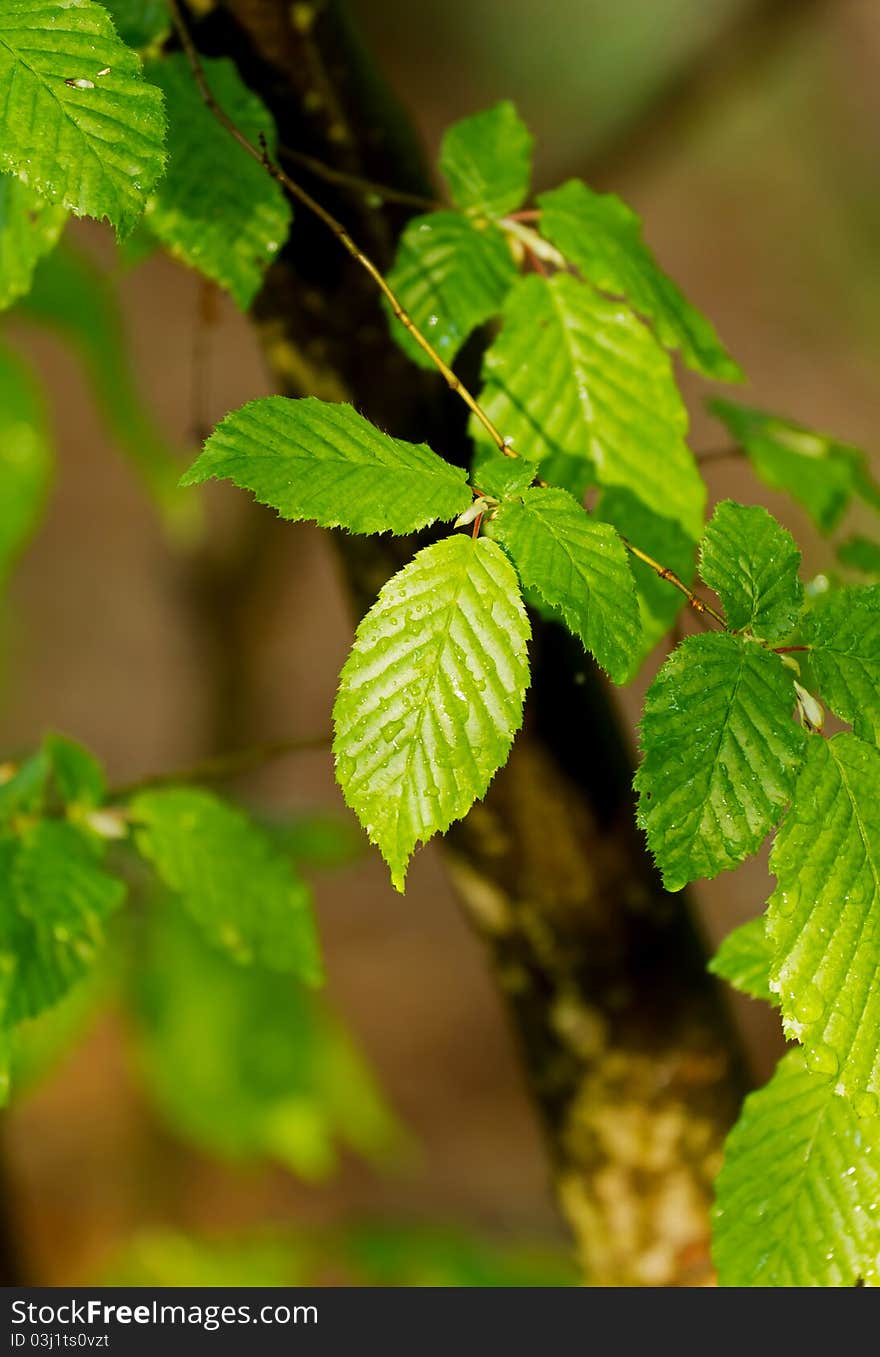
<point>628,1053</point>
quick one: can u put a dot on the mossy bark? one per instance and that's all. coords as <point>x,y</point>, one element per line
<point>628,1053</point>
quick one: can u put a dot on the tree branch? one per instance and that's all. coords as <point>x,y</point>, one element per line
<point>317,209</point>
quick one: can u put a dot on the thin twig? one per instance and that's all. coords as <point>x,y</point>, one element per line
<point>299,193</point>
<point>719,454</point>
<point>222,766</point>
<point>368,187</point>
<point>302,196</point>
<point>698,604</point>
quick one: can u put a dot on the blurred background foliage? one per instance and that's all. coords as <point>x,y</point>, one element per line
<point>181,1119</point>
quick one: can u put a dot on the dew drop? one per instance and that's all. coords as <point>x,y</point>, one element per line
<point>810,1006</point>
<point>822,1060</point>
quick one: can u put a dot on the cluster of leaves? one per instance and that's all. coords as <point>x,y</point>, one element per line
<point>578,376</point>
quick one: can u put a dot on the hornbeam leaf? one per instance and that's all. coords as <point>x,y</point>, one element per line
<point>721,755</point>
<point>78,123</point>
<point>29,228</point>
<point>26,458</point>
<point>818,471</point>
<point>666,541</point>
<point>744,959</point>
<point>242,893</point>
<point>602,237</point>
<point>844,629</point>
<point>580,386</point>
<point>77,774</point>
<point>55,898</point>
<point>451,276</point>
<point>216,207</point>
<point>431,695</point>
<point>245,1064</point>
<point>824,916</point>
<point>309,458</point>
<point>487,160</point>
<point>798,1196</point>
<point>580,568</point>
<point>78,300</point>
<point>752,564</point>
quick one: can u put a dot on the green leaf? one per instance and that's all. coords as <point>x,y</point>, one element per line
<point>822,917</point>
<point>26,458</point>
<point>243,894</point>
<point>54,901</point>
<point>139,22</point>
<point>23,789</point>
<point>216,208</point>
<point>487,161</point>
<point>430,1256</point>
<point>752,564</point>
<point>78,776</point>
<point>311,459</point>
<point>667,542</point>
<point>77,300</point>
<point>88,141</point>
<point>501,477</point>
<point>602,237</point>
<point>29,228</point>
<point>431,695</point>
<point>580,568</point>
<point>844,630</point>
<point>860,553</point>
<point>744,960</point>
<point>580,386</point>
<point>247,1064</point>
<point>797,1197</point>
<point>721,755</point>
<point>451,276</point>
<point>819,472</point>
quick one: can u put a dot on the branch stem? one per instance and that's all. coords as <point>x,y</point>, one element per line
<point>698,604</point>
<point>222,766</point>
<point>301,195</point>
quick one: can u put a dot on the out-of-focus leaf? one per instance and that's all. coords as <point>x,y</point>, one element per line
<point>407,1255</point>
<point>818,471</point>
<point>139,22</point>
<point>73,297</point>
<point>168,1258</point>
<point>246,1063</point>
<point>243,894</point>
<point>860,553</point>
<point>29,228</point>
<point>26,457</point>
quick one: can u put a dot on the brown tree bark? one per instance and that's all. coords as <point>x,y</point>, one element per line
<point>626,1045</point>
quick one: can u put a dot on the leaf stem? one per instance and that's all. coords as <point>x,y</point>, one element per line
<point>222,766</point>
<point>698,604</point>
<point>357,183</point>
